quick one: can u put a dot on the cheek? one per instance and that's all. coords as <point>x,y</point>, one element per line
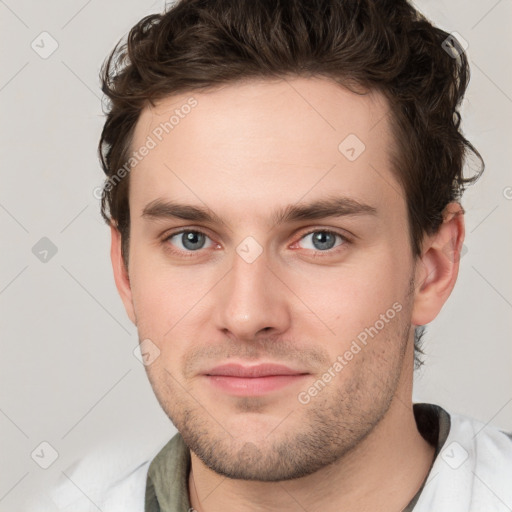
<point>167,299</point>
<point>156,296</point>
<point>354,295</point>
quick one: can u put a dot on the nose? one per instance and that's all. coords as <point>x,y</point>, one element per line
<point>251,300</point>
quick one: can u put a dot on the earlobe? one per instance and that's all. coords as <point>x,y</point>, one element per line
<point>438,267</point>
<point>121,272</point>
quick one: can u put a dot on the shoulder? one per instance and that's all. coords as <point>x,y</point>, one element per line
<point>472,471</point>
<point>109,478</point>
<point>128,493</point>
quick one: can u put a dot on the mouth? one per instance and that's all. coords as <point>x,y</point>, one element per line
<point>257,380</point>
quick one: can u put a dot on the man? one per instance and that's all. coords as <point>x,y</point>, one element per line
<point>283,190</point>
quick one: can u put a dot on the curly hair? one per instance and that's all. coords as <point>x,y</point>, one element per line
<point>364,45</point>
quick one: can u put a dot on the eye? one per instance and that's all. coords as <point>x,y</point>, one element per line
<point>192,241</point>
<point>189,240</point>
<point>323,240</point>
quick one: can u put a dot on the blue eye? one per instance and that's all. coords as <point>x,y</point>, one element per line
<point>324,240</point>
<point>190,240</point>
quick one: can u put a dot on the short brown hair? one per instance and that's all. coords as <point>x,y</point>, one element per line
<point>383,45</point>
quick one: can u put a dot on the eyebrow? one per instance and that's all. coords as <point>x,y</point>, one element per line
<point>320,209</point>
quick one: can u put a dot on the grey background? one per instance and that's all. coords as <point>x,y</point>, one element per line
<point>68,372</point>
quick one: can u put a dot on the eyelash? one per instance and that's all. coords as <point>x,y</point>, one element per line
<point>317,253</point>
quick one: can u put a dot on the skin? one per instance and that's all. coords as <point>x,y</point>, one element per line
<point>244,150</point>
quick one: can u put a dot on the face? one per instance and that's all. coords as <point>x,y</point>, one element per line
<point>290,248</point>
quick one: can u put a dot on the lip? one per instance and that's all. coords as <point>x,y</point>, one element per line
<point>259,370</point>
<point>257,380</point>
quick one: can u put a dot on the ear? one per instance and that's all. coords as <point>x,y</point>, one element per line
<point>438,267</point>
<point>121,273</point>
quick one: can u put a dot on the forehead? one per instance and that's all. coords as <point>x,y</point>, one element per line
<point>263,141</point>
